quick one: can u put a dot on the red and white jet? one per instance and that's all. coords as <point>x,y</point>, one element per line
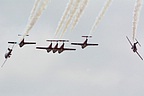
<point>22,42</point>
<point>134,48</point>
<point>85,44</point>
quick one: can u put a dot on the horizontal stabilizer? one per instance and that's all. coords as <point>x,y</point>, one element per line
<point>63,40</point>
<point>57,40</point>
<point>87,36</point>
<point>22,35</point>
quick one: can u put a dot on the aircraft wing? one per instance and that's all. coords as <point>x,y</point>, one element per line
<point>30,42</point>
<point>77,43</point>
<point>92,44</point>
<point>129,41</point>
<point>42,48</point>
<point>69,49</point>
<point>139,55</point>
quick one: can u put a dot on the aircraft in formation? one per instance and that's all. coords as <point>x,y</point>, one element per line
<point>62,47</point>
<point>8,54</point>
<point>134,47</point>
<point>22,42</point>
<point>50,48</point>
<point>85,44</point>
<point>55,48</point>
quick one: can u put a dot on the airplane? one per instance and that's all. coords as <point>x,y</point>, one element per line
<point>55,48</point>
<point>7,55</point>
<point>85,44</point>
<point>134,48</point>
<point>22,43</point>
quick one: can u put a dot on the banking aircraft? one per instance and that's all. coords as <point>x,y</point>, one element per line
<point>134,48</point>
<point>85,44</point>
<point>8,54</point>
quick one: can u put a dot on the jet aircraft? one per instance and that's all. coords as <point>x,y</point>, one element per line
<point>22,43</point>
<point>55,48</point>
<point>134,47</point>
<point>85,44</point>
<point>7,54</point>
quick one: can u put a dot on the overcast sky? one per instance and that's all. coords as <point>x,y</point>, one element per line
<point>111,69</point>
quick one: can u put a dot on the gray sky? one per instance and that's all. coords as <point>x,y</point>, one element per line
<point>111,69</point>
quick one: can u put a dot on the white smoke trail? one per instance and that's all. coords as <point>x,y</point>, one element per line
<point>69,5</point>
<point>102,13</point>
<point>72,13</point>
<point>36,17</point>
<point>34,9</point>
<point>33,12</point>
<point>80,12</point>
<point>137,10</point>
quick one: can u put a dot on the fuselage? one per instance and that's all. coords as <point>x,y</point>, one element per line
<point>134,47</point>
<point>55,49</point>
<point>22,43</point>
<point>7,55</point>
<point>84,44</point>
<point>49,48</point>
<point>61,49</point>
